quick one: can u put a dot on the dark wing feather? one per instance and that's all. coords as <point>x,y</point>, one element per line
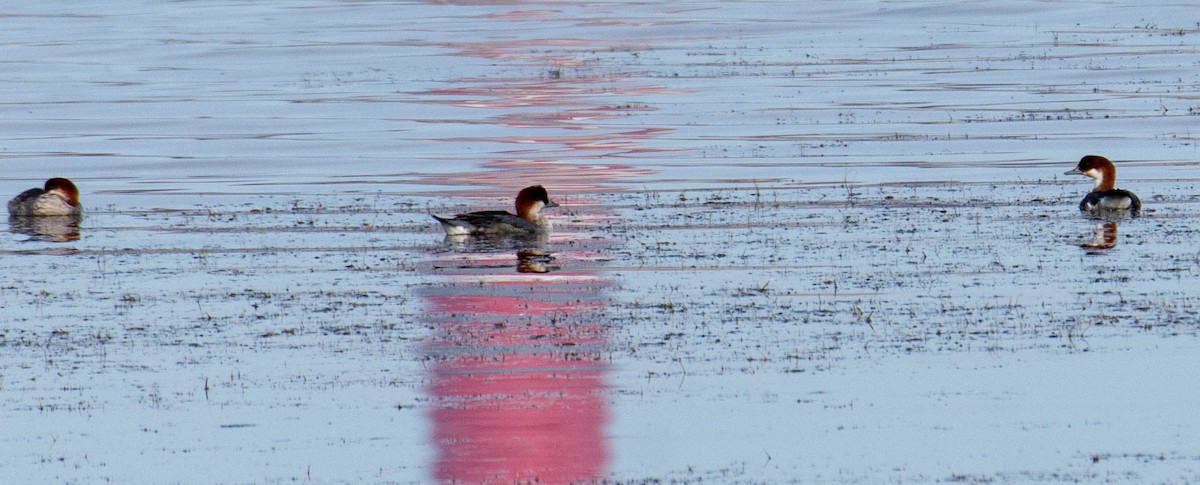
<point>21,198</point>
<point>494,221</point>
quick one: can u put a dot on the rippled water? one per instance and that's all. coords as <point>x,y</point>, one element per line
<point>799,242</point>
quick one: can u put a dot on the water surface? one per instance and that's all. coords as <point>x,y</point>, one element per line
<point>814,243</point>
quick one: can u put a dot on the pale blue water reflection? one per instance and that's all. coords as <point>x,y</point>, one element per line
<point>823,238</point>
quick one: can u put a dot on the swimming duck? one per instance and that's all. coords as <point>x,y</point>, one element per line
<point>528,221</point>
<point>59,197</point>
<point>1103,196</point>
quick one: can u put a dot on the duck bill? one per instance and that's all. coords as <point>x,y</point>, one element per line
<point>1073,171</point>
<point>551,204</point>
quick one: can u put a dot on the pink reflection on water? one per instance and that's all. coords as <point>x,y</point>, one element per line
<point>504,177</point>
<point>611,142</point>
<point>554,91</point>
<point>523,49</point>
<point>517,360</point>
<point>524,15</point>
<point>517,376</point>
<point>533,425</point>
<point>557,15</point>
<point>576,119</point>
<point>581,106</point>
<point>517,363</point>
<point>569,119</point>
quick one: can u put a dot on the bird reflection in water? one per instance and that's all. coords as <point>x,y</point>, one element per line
<point>535,261</point>
<point>531,258</point>
<point>46,228</point>
<point>1105,237</point>
<point>472,244</point>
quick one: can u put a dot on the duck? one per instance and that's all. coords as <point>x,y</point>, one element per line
<point>528,221</point>
<point>59,197</point>
<point>1103,197</point>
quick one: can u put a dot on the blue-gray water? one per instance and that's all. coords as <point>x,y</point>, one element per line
<point>803,242</point>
